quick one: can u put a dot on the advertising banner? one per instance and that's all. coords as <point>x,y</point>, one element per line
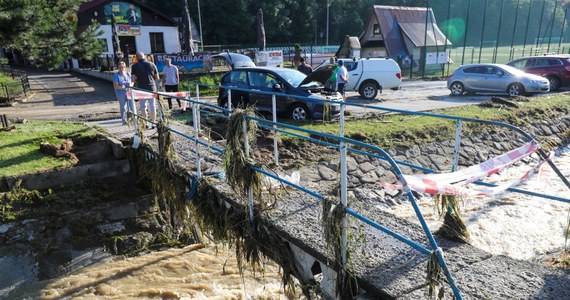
<point>125,13</point>
<point>269,58</point>
<point>128,30</point>
<point>186,63</point>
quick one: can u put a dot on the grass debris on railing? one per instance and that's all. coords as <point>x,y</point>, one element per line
<point>167,186</point>
<point>331,221</point>
<point>237,162</point>
<point>225,225</point>
<point>453,226</point>
<point>434,276</point>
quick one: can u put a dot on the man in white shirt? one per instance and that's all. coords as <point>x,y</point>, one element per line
<point>341,78</point>
<point>171,81</point>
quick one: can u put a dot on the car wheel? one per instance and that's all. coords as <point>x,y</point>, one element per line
<point>369,90</point>
<point>554,83</point>
<point>515,89</point>
<point>457,89</point>
<point>299,111</point>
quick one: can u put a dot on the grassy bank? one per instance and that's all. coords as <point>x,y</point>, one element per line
<point>21,155</point>
<point>393,130</point>
<point>20,148</point>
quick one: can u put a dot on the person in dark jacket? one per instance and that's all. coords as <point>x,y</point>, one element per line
<point>304,68</point>
<point>145,75</point>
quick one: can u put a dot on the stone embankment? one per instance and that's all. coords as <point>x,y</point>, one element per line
<point>365,173</point>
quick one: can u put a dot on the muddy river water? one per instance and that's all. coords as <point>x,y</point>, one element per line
<point>511,224</point>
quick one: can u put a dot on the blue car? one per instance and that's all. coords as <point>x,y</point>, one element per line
<point>301,97</point>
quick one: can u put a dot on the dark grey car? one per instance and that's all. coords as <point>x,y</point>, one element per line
<point>301,96</point>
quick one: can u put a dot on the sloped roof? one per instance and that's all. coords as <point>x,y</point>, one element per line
<point>350,42</point>
<point>394,21</point>
<point>415,32</point>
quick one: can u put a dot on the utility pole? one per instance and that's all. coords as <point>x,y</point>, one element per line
<point>188,31</point>
<point>328,22</point>
<point>200,22</point>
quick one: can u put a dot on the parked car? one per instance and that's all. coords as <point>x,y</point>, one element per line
<point>232,60</point>
<point>310,90</point>
<point>556,68</point>
<point>495,78</point>
<point>370,75</point>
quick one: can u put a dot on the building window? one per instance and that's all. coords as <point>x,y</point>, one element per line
<point>157,42</point>
<point>376,29</point>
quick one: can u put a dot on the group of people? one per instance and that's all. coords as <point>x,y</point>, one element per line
<point>338,79</point>
<point>144,75</point>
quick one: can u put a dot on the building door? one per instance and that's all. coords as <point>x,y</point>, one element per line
<point>128,45</point>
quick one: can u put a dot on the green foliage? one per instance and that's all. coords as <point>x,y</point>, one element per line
<point>46,31</point>
<point>7,80</point>
<point>208,84</point>
<point>303,21</point>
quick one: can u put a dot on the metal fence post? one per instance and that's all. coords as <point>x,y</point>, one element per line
<point>458,128</point>
<point>229,104</point>
<point>196,124</point>
<point>246,148</point>
<point>134,109</point>
<point>411,66</point>
<point>275,149</point>
<point>343,187</point>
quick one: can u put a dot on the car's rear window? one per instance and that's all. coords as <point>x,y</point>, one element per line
<point>545,62</point>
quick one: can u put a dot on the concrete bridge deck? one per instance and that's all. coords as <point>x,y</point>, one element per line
<point>385,267</point>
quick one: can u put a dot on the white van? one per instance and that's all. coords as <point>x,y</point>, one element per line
<point>370,75</point>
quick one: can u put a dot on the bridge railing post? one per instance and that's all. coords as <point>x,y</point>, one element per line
<point>246,149</point>
<point>229,104</point>
<point>199,118</point>
<point>196,124</point>
<point>343,187</point>
<point>458,128</point>
<point>133,109</point>
<point>274,110</point>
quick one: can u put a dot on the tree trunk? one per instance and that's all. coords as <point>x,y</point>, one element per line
<point>260,31</point>
<point>189,43</point>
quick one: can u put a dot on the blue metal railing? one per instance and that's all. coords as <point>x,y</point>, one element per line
<point>375,152</point>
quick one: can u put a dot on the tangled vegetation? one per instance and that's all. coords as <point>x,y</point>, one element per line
<point>453,226</point>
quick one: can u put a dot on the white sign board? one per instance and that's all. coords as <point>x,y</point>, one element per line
<point>433,58</point>
<point>269,58</point>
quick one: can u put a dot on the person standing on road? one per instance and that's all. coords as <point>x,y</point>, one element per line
<point>331,82</point>
<point>304,68</point>
<point>121,82</point>
<point>341,78</point>
<point>171,81</point>
<point>145,76</point>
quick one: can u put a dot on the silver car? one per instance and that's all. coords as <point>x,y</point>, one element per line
<point>495,78</point>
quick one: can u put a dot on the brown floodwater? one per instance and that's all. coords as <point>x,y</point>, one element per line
<point>193,272</point>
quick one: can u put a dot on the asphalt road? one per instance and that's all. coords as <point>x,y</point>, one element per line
<point>60,96</point>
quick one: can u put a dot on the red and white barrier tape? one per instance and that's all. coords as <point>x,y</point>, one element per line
<point>147,95</point>
<point>455,183</point>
